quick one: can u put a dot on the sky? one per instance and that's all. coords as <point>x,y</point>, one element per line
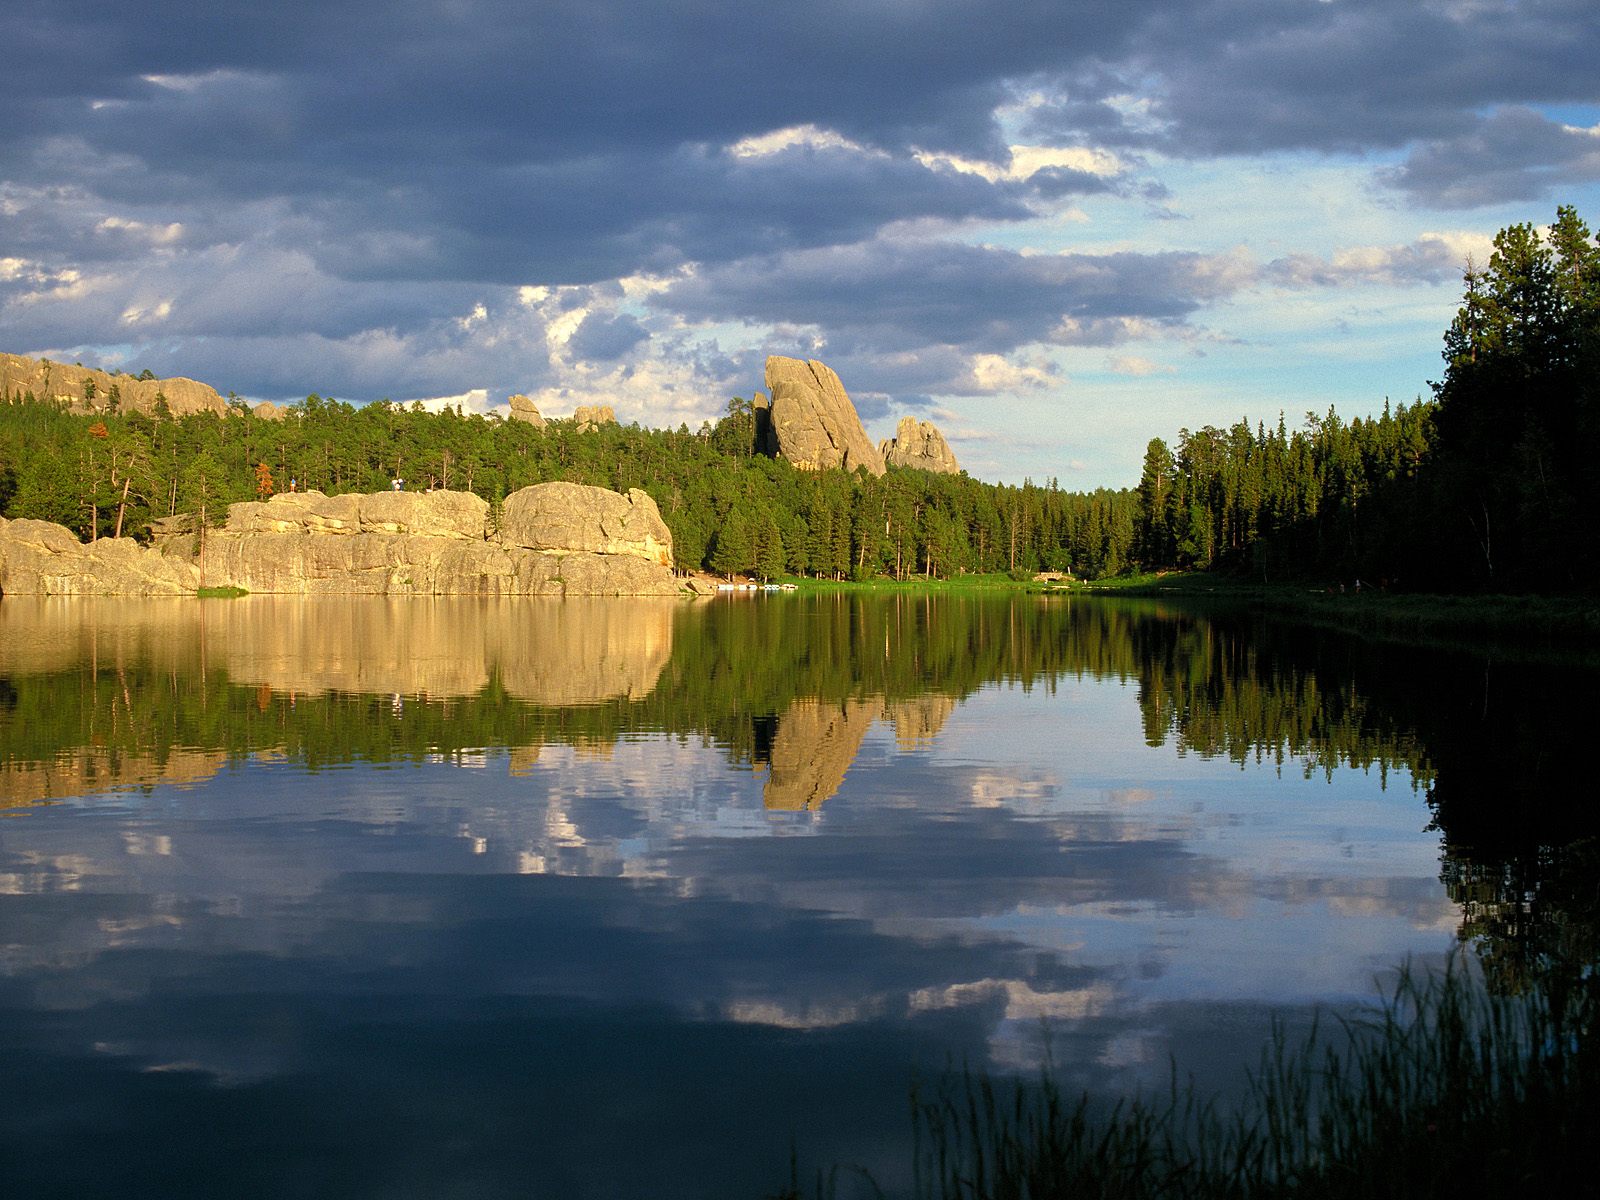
<point>1055,229</point>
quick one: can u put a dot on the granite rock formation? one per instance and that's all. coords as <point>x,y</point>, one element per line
<point>566,517</point>
<point>83,389</point>
<point>43,559</point>
<point>813,424</point>
<point>524,409</point>
<point>919,445</point>
<point>592,416</point>
<point>554,539</point>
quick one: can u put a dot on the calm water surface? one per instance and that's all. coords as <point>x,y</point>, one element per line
<point>621,898</point>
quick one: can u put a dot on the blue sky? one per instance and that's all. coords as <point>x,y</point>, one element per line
<point>1056,229</point>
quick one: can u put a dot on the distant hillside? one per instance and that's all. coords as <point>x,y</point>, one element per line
<point>87,390</point>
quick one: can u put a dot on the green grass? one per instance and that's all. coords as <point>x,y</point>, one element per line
<point>1404,615</point>
<point>917,583</point>
<point>220,593</point>
<point>1443,1090</point>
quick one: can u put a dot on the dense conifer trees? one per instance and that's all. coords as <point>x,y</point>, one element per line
<point>731,510</point>
<point>1491,484</point>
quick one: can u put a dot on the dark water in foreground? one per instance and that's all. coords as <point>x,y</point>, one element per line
<point>620,898</point>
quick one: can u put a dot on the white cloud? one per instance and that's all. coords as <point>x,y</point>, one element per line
<point>474,400</point>
<point>138,314</point>
<point>158,235</point>
<point>996,373</point>
<point>1133,364</point>
<point>807,136</point>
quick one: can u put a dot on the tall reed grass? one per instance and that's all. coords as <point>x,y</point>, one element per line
<point>1441,1090</point>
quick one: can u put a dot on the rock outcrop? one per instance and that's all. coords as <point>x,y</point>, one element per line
<point>83,389</point>
<point>566,517</point>
<point>524,409</point>
<point>268,411</point>
<point>813,424</point>
<point>39,558</point>
<point>553,539</point>
<point>919,445</point>
<point>591,416</point>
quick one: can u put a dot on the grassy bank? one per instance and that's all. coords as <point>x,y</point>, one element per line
<point>1444,1090</point>
<point>917,584</point>
<point>1562,621</point>
<point>1413,617</point>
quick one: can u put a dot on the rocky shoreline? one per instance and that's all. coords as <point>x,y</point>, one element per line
<point>551,539</point>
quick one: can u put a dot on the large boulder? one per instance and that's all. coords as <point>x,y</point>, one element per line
<point>591,416</point>
<point>38,558</point>
<point>84,389</point>
<point>429,514</point>
<point>813,423</point>
<point>920,446</point>
<point>524,409</point>
<point>568,517</point>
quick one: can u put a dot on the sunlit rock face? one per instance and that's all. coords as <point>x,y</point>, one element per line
<point>592,416</point>
<point>552,539</point>
<point>813,423</point>
<point>920,446</point>
<point>566,517</point>
<point>426,514</point>
<point>524,409</point>
<point>83,389</point>
<point>41,558</point>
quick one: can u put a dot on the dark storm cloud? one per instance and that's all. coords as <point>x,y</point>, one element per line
<point>1515,154</point>
<point>573,142</point>
<point>895,295</point>
<point>1250,77</point>
<point>564,142</point>
<point>605,338</point>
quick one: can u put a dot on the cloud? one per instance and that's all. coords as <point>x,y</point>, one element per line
<point>606,338</point>
<point>1432,258</point>
<point>1133,364</point>
<point>893,294</point>
<point>1512,154</point>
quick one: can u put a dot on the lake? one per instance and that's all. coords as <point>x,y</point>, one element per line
<point>524,898</point>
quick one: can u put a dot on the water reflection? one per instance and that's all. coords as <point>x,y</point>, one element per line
<point>573,898</point>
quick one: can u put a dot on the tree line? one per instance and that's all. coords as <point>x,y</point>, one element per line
<point>1489,484</point>
<point>730,509</point>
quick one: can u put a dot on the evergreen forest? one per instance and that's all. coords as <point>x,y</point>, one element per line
<point>1486,485</point>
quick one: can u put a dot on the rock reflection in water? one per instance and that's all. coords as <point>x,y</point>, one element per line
<point>814,742</point>
<point>554,652</point>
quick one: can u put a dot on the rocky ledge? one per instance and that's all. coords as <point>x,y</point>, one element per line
<point>552,539</point>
